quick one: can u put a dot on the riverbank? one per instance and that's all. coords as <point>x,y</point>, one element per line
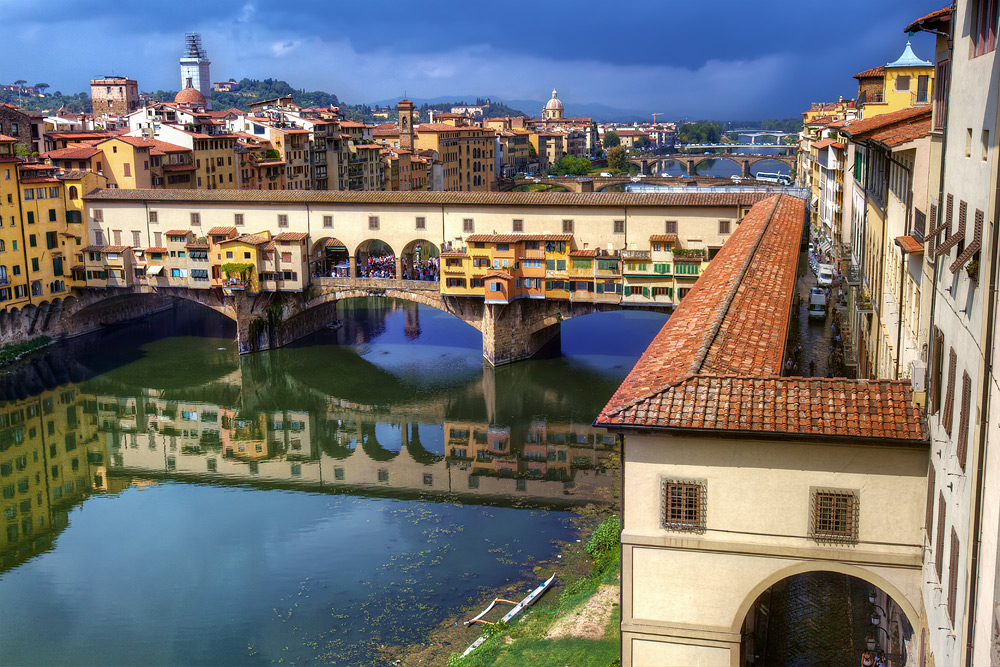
<point>576,622</point>
<point>14,352</point>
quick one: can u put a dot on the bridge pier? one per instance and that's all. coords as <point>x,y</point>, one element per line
<point>508,334</point>
<point>746,168</point>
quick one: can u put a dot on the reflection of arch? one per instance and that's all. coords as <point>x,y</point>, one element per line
<point>825,566</point>
<point>371,445</point>
<point>416,449</point>
<point>731,158</point>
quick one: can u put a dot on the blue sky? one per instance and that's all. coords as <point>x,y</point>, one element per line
<point>728,59</point>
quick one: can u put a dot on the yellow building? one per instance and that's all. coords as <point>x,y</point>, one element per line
<point>127,162</point>
<point>548,146</point>
<point>241,258</point>
<point>13,278</point>
<point>466,153</point>
<point>906,82</point>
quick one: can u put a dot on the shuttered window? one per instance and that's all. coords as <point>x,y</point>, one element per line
<point>939,542</point>
<point>929,519</point>
<point>937,370</point>
<point>949,398</point>
<point>953,577</point>
<point>963,419</point>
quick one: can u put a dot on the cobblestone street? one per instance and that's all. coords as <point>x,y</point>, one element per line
<point>821,353</point>
<point>817,619</point>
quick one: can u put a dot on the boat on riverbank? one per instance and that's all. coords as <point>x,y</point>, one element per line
<point>529,600</point>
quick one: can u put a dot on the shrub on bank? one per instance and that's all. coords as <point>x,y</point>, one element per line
<point>12,352</point>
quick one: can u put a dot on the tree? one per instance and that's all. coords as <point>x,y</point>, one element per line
<point>532,153</point>
<point>572,166</point>
<point>616,159</point>
<point>40,87</point>
<point>641,142</point>
<point>611,139</point>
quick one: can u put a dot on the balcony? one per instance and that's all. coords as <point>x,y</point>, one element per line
<point>853,274</point>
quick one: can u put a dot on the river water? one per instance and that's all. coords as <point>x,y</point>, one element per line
<point>723,168</point>
<point>169,502</point>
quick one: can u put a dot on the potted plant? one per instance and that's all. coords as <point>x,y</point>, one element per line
<point>972,268</point>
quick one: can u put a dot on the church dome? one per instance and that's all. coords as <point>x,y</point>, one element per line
<point>190,96</point>
<point>554,103</point>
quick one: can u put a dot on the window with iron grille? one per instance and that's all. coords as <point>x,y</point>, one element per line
<point>949,397</point>
<point>929,518</point>
<point>468,225</point>
<point>953,577</point>
<point>963,419</point>
<point>518,226</point>
<point>619,227</point>
<point>834,516</point>
<point>421,223</point>
<point>671,227</point>
<point>373,222</point>
<point>683,505</point>
<point>282,220</point>
<point>939,542</point>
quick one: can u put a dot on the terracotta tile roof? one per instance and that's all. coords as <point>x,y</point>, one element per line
<point>79,152</point>
<point>536,199</point>
<point>5,139</point>
<point>499,274</point>
<point>291,236</point>
<point>515,238</point>
<point>106,248</point>
<point>40,179</point>
<point>910,245</point>
<point>715,365</point>
<point>933,21</point>
<point>583,253</point>
<point>72,174</point>
<point>156,249</point>
<point>251,239</point>
<point>179,232</point>
<point>893,128</point>
<point>268,246</point>
<point>453,253</point>
<point>219,231</point>
<point>873,72</point>
<point>826,143</point>
<point>197,245</point>
<point>663,238</point>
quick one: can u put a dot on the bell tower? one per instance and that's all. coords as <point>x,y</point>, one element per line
<point>405,110</point>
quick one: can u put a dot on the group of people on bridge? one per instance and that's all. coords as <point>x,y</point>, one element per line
<point>384,266</point>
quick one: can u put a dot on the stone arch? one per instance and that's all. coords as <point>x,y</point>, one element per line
<point>329,257</point>
<point>374,248</point>
<point>93,307</point>
<point>420,254</point>
<point>767,158</point>
<point>909,610</point>
<point>735,159</point>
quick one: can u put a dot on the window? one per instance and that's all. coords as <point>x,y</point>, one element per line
<point>923,85</point>
<point>496,286</point>
<point>31,217</point>
<point>50,240</point>
<point>567,226</point>
<point>421,223</point>
<point>282,220</point>
<point>373,222</point>
<point>671,227</point>
<point>468,225</point>
<point>939,542</point>
<point>328,221</point>
<point>682,505</point>
<point>518,225</point>
<point>196,219</point>
<point>834,516</point>
<point>937,370</point>
<point>127,169</point>
<point>902,83</point>
<point>953,577</point>
<point>929,517</point>
<point>98,215</point>
<point>949,397</point>
<point>723,226</point>
<point>983,26</point>
<point>153,217</point>
<point>963,420</point>
<point>619,226</point>
<point>32,241</point>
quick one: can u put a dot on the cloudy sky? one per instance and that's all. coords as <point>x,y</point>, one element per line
<point>732,59</point>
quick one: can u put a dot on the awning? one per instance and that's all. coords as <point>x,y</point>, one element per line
<point>154,270</point>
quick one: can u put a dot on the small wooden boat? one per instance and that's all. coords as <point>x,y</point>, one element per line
<point>529,600</point>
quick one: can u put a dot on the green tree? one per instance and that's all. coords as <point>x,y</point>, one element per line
<point>642,142</point>
<point>616,159</point>
<point>611,139</point>
<point>532,153</point>
<point>571,166</point>
<point>40,87</point>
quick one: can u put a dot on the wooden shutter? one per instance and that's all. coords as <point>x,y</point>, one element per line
<point>939,542</point>
<point>929,519</point>
<point>949,397</point>
<point>953,577</point>
<point>937,370</point>
<point>963,420</point>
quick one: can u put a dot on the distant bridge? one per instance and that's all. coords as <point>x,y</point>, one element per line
<point>744,161</point>
<point>602,183</point>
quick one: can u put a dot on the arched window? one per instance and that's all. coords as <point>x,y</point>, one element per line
<point>73,194</point>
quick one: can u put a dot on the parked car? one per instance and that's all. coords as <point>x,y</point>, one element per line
<point>606,174</point>
<point>817,303</point>
<point>824,275</point>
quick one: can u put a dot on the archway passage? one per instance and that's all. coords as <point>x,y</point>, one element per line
<point>376,259</point>
<point>825,618</point>
<point>329,258</point>
<point>420,261</point>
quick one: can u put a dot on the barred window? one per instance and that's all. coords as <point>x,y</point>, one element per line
<point>518,226</point>
<point>834,516</point>
<point>683,505</point>
<point>373,222</point>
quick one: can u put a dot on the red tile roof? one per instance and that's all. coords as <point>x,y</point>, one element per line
<point>4,138</point>
<point>218,231</point>
<point>179,232</point>
<point>869,73</point>
<point>933,21</point>
<point>156,249</point>
<point>79,152</point>
<point>583,253</point>
<point>892,129</point>
<point>715,365</point>
<point>910,245</point>
<point>825,143</point>
<point>515,238</point>
<point>663,238</point>
<point>291,236</point>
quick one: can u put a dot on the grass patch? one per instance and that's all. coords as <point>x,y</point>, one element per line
<point>13,351</point>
